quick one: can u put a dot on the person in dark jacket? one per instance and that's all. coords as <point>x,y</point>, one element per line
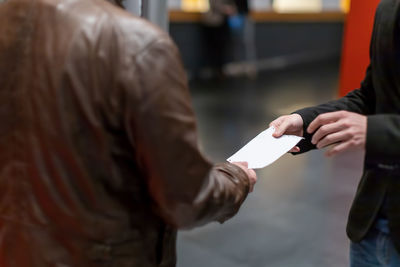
<point>99,161</point>
<point>242,6</point>
<point>366,119</point>
<point>216,34</point>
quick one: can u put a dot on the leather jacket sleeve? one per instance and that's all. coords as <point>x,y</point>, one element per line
<point>187,190</point>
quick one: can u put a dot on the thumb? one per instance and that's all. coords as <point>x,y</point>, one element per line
<point>280,129</point>
<point>244,164</point>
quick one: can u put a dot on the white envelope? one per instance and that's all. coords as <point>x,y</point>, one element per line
<point>264,149</point>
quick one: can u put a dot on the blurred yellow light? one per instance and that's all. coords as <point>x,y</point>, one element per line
<point>290,6</point>
<point>345,5</point>
<point>195,5</point>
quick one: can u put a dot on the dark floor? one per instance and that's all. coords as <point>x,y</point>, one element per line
<point>296,217</point>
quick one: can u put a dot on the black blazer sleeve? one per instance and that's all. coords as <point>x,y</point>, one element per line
<point>383,130</point>
<point>360,101</point>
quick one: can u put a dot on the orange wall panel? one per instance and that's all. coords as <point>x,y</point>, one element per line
<point>357,36</point>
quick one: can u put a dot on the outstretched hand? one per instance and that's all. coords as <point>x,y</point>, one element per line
<point>251,174</point>
<point>288,124</point>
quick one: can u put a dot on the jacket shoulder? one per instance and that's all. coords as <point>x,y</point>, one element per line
<point>101,18</point>
<point>129,30</point>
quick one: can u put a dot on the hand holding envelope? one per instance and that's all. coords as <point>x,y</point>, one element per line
<point>264,149</point>
<point>251,174</point>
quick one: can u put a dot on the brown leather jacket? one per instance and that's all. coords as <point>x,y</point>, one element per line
<point>99,163</point>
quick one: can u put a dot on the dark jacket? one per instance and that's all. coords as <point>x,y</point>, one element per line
<point>99,162</point>
<point>379,99</point>
<point>242,6</point>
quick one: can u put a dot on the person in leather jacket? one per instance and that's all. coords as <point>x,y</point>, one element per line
<point>99,161</point>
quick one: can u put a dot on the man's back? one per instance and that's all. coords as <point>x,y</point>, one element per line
<point>84,174</point>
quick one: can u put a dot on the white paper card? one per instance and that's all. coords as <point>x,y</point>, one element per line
<point>264,149</point>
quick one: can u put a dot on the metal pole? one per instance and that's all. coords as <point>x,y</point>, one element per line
<point>156,11</point>
<point>134,6</point>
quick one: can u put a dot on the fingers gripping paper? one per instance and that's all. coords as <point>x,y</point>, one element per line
<point>264,149</point>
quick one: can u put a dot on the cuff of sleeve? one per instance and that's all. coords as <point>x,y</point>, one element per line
<point>236,174</point>
<point>241,185</point>
<point>305,144</point>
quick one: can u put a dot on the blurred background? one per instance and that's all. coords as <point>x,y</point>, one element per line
<point>249,62</point>
<point>261,35</point>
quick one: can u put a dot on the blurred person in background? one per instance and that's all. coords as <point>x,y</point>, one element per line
<point>225,35</point>
<point>242,41</point>
<point>366,119</point>
<point>217,34</point>
<point>99,161</point>
<point>242,6</point>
